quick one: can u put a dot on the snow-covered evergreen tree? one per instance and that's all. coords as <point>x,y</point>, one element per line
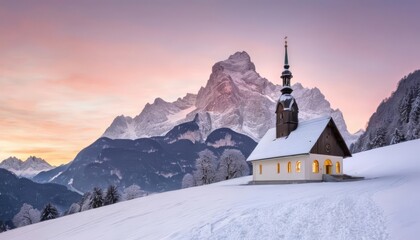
<point>49,212</point>
<point>379,140</point>
<point>133,191</point>
<point>415,111</point>
<point>112,196</point>
<point>232,165</point>
<point>188,181</point>
<point>74,208</point>
<point>205,166</point>
<point>397,137</point>
<point>85,202</point>
<point>97,198</point>
<point>3,227</point>
<point>27,215</point>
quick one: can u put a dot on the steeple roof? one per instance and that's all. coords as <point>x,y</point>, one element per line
<point>286,75</point>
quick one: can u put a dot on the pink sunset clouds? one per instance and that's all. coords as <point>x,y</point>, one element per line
<point>68,68</point>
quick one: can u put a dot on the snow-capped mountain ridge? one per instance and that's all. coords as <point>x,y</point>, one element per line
<point>235,96</point>
<point>28,168</point>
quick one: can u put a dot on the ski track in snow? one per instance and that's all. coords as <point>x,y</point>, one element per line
<point>319,218</point>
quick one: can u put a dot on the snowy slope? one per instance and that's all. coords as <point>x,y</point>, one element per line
<point>385,206</point>
<point>235,97</point>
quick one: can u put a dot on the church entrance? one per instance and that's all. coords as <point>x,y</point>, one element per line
<point>328,166</point>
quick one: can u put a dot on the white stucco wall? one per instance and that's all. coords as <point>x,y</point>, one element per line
<point>322,170</point>
<point>269,168</point>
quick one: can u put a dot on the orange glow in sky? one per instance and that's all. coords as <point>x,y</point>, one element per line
<point>67,69</point>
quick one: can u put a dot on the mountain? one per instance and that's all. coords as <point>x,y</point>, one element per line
<point>235,97</point>
<point>28,168</point>
<point>15,191</point>
<point>385,206</point>
<point>156,164</point>
<point>49,175</point>
<point>396,119</point>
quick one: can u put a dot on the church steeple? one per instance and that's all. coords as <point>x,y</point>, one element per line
<point>287,109</point>
<point>286,75</point>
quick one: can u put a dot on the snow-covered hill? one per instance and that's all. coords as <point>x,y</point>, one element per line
<point>28,168</point>
<point>235,97</point>
<point>384,206</point>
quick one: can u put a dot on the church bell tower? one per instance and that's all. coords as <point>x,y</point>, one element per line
<point>287,109</point>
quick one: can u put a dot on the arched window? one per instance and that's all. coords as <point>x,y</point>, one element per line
<point>315,166</point>
<point>278,167</point>
<point>337,167</point>
<point>260,168</point>
<point>298,166</point>
<point>289,167</point>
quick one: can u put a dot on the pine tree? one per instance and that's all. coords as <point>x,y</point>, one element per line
<point>415,111</point>
<point>406,105</point>
<point>3,227</point>
<point>49,212</point>
<point>112,196</point>
<point>97,198</point>
<point>379,139</point>
<point>397,137</point>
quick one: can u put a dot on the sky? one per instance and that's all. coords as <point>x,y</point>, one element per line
<point>68,68</point>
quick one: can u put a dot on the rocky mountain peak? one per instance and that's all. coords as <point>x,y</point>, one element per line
<point>28,168</point>
<point>235,97</point>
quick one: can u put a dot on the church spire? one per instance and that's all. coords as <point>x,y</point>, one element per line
<point>286,75</point>
<point>287,109</point>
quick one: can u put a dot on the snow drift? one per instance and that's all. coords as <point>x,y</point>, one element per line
<point>384,206</point>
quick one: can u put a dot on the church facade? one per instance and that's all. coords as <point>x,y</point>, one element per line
<point>297,151</point>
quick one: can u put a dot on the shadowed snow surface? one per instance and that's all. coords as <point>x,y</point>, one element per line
<point>385,206</point>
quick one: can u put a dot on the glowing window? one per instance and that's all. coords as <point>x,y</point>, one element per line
<point>278,167</point>
<point>337,167</point>
<point>289,167</point>
<point>260,168</point>
<point>298,166</point>
<point>315,166</point>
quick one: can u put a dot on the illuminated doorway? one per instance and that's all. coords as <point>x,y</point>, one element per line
<point>328,166</point>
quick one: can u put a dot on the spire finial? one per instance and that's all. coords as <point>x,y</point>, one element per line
<point>286,74</point>
<point>286,58</point>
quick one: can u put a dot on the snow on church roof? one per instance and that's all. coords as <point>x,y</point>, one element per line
<point>299,141</point>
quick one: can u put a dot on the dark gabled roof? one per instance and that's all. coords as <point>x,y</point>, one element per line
<point>299,141</point>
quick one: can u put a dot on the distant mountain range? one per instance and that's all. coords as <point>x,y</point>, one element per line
<point>156,164</point>
<point>15,191</point>
<point>235,97</point>
<point>28,168</point>
<point>397,118</point>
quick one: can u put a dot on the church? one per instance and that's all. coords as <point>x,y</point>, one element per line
<point>296,151</point>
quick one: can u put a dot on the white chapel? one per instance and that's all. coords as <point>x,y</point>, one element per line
<point>296,151</point>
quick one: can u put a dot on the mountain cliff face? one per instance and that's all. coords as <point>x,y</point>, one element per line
<point>28,168</point>
<point>396,119</point>
<point>156,164</point>
<point>235,97</point>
